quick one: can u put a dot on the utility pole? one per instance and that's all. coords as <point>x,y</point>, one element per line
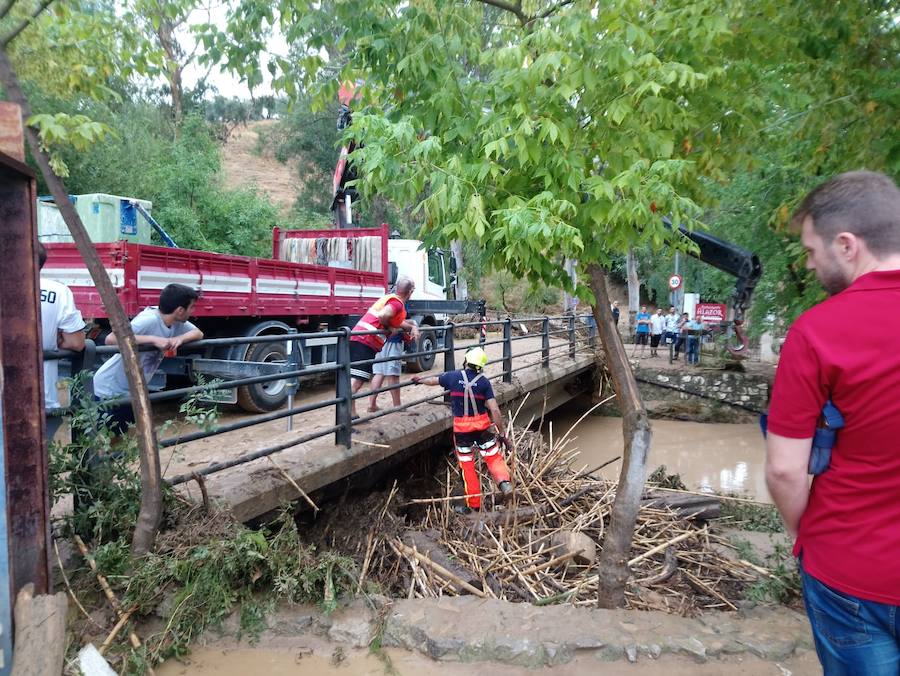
<point>676,296</point>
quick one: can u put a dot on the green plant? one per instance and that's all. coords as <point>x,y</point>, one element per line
<point>203,568</point>
<point>98,471</point>
<point>783,584</point>
<point>196,411</point>
<point>663,479</point>
<point>750,516</point>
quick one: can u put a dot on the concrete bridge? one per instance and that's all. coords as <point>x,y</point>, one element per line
<point>540,382</point>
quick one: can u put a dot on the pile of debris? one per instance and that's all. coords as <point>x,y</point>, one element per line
<point>543,546</point>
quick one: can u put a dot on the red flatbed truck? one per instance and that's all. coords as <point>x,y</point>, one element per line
<point>240,296</point>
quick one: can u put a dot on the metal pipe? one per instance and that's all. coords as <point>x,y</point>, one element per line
<point>256,455</point>
<point>545,342</point>
<point>343,411</point>
<point>507,351</point>
<point>572,337</point>
<point>242,424</point>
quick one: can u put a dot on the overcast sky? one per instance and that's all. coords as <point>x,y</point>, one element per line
<point>227,85</point>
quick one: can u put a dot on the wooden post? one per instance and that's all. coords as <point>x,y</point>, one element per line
<point>21,397</point>
<point>12,136</point>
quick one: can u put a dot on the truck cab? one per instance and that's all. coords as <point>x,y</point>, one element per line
<point>428,270</point>
<point>426,267</point>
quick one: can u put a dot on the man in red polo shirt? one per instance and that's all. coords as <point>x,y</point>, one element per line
<point>847,523</point>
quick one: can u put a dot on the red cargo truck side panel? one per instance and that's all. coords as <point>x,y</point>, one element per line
<point>232,286</point>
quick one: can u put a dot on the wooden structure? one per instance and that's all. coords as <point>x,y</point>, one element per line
<point>24,498</point>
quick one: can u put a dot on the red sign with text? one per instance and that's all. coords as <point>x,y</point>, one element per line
<point>711,313</point>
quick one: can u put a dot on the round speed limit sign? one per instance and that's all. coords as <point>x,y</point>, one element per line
<point>675,282</point>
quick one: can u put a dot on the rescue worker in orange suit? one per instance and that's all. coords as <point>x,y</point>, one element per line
<point>472,398</point>
<point>387,315</point>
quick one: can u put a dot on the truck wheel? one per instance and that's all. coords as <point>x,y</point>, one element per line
<point>426,361</point>
<point>268,396</point>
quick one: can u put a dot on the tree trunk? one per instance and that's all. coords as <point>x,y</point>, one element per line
<point>634,289</point>
<point>462,288</point>
<point>613,565</point>
<point>150,513</point>
<point>165,31</point>
<point>569,301</point>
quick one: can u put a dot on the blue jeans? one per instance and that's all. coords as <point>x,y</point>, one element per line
<point>693,350</point>
<point>852,636</point>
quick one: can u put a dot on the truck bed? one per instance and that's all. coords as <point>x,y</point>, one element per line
<point>231,286</point>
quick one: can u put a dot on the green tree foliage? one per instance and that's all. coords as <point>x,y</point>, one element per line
<point>551,129</point>
<point>539,138</point>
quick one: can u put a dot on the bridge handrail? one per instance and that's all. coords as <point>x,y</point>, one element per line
<point>295,368</point>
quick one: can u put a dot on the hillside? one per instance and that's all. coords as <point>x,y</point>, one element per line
<point>244,167</point>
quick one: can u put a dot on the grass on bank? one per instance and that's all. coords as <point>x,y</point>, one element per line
<point>203,567</point>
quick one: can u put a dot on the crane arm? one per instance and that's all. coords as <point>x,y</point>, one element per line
<point>735,260</point>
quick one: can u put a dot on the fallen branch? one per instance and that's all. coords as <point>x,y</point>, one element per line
<point>691,506</point>
<point>670,565</point>
<point>123,619</point>
<point>107,590</point>
<point>668,543</point>
<point>203,493</point>
<point>552,562</point>
<point>440,570</point>
<point>293,483</point>
<point>65,578</point>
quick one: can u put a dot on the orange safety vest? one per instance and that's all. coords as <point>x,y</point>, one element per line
<point>471,420</point>
<point>371,322</point>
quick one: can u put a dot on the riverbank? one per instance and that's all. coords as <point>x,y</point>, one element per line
<point>504,563</point>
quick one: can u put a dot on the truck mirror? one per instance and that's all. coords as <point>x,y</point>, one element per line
<point>393,273</point>
<point>452,265</point>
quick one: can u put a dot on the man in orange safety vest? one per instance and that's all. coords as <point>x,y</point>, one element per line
<point>388,316</point>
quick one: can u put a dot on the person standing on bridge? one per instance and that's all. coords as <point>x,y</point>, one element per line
<point>388,372</point>
<point>657,325</point>
<point>474,411</point>
<point>847,524</point>
<point>672,321</point>
<point>388,316</point>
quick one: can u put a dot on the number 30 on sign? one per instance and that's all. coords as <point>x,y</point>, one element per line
<point>675,282</point>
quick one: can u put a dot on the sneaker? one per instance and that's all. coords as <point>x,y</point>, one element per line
<point>462,509</point>
<point>506,490</point>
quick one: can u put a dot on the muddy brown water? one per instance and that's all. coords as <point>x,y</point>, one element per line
<point>281,662</point>
<point>708,456</point>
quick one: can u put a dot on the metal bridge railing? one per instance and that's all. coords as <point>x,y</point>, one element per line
<point>294,369</point>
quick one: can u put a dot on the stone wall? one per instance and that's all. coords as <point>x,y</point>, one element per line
<point>698,394</point>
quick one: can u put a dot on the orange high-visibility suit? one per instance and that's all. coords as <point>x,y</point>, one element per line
<point>470,391</point>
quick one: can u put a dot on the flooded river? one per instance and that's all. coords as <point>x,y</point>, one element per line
<point>708,456</point>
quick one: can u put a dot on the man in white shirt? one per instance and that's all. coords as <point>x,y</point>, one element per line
<point>657,326</point>
<point>166,327</point>
<point>62,327</point>
<point>672,320</point>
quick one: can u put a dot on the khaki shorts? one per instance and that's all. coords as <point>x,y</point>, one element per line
<point>389,368</point>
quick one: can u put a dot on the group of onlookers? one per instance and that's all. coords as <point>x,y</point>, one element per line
<point>677,330</point>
